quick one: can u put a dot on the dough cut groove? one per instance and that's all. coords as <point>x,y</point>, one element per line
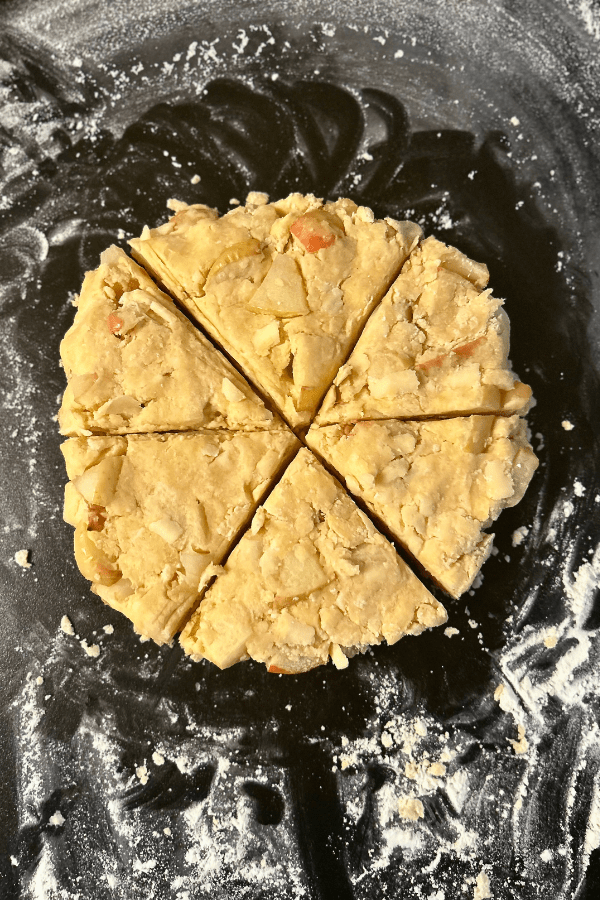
<point>134,363</point>
<point>386,350</point>
<point>283,287</point>
<point>312,579</point>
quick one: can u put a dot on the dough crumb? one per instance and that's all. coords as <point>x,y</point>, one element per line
<point>57,819</point>
<point>410,808</point>
<point>551,638</point>
<point>39,680</point>
<point>522,744</point>
<point>386,739</point>
<point>157,758</point>
<point>568,426</point>
<point>482,887</point>
<point>90,649</point>
<point>142,774</point>
<point>108,629</point>
<point>195,179</point>
<point>22,559</point>
<point>66,625</point>
<point>519,535</point>
<point>450,632</point>
<point>167,831</point>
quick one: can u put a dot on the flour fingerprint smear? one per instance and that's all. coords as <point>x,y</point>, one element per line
<point>462,763</point>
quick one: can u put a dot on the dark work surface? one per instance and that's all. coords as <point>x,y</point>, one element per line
<point>477,120</point>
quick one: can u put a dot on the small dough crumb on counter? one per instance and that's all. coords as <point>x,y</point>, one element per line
<point>521,745</point>
<point>92,650</point>
<point>519,535</point>
<point>410,808</point>
<point>482,887</point>
<point>66,625</point>
<point>568,426</point>
<point>551,638</point>
<point>21,558</point>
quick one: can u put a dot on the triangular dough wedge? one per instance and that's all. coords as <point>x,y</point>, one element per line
<point>437,345</point>
<point>436,485</point>
<point>311,579</point>
<point>154,513</point>
<point>134,363</point>
<point>284,287</point>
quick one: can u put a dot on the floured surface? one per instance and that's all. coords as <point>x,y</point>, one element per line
<point>312,579</point>
<point>155,120</point>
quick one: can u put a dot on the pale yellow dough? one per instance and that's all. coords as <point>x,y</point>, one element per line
<point>286,312</point>
<point>437,345</point>
<point>153,514</point>
<point>311,579</point>
<point>436,485</point>
<point>135,363</point>
<point>289,290</point>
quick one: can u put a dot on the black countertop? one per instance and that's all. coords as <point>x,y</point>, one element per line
<point>137,773</point>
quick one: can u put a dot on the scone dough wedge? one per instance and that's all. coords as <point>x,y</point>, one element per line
<point>311,580</point>
<point>153,514</point>
<point>436,484</point>
<point>283,287</point>
<point>134,363</point>
<point>437,345</point>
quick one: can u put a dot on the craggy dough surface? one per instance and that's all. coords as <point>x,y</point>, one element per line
<point>286,308</point>
<point>287,288</point>
<point>437,345</point>
<point>135,363</point>
<point>436,485</point>
<point>153,514</point>
<point>311,579</point>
